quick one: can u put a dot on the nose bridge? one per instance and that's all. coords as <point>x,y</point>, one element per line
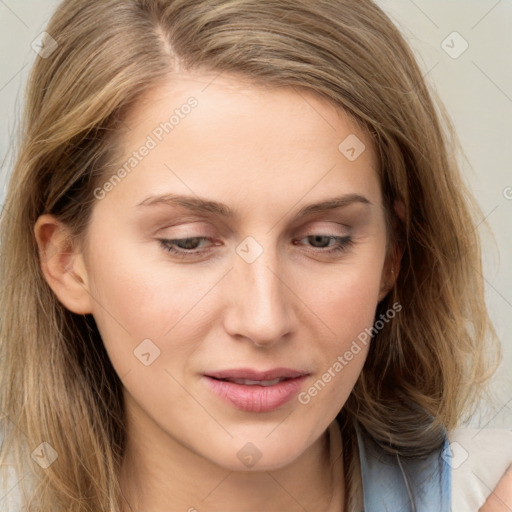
<point>260,309</point>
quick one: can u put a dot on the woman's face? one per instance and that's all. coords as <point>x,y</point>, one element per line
<point>262,280</point>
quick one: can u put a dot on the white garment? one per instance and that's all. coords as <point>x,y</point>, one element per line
<point>480,457</point>
<point>10,498</point>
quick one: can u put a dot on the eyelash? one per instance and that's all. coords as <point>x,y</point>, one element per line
<point>344,243</point>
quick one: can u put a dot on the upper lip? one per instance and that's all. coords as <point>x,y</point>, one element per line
<point>251,374</point>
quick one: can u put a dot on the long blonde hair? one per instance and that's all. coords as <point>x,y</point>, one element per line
<point>425,368</point>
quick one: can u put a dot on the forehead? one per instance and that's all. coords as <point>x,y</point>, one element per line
<point>227,99</point>
<point>245,141</point>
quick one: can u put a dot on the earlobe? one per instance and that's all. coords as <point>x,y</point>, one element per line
<point>391,269</point>
<point>389,276</point>
<point>62,264</point>
<point>394,257</point>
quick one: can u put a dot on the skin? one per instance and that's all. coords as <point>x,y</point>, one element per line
<point>500,500</point>
<point>265,153</point>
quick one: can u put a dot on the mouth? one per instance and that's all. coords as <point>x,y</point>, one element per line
<point>256,391</point>
<point>248,382</point>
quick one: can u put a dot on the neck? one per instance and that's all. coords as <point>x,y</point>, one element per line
<point>159,474</point>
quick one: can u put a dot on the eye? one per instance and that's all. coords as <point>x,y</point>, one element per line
<point>342,243</point>
<point>190,247</point>
<point>184,247</point>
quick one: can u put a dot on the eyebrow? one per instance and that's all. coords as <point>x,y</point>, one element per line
<point>201,205</point>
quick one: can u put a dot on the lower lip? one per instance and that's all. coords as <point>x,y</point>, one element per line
<point>256,398</point>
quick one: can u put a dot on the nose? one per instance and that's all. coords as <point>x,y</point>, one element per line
<point>260,309</point>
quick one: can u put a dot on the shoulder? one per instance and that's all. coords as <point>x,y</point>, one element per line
<point>394,483</point>
<point>460,476</point>
<point>479,458</point>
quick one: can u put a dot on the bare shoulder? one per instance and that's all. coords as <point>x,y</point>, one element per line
<point>479,459</point>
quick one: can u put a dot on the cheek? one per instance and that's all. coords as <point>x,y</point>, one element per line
<point>344,305</point>
<point>345,300</point>
<point>134,302</point>
<point>349,311</point>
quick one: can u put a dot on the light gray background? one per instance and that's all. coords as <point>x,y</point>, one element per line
<point>476,87</point>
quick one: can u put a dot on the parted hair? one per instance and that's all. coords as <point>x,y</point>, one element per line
<point>425,368</point>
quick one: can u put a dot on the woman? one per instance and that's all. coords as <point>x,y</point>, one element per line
<point>245,260</point>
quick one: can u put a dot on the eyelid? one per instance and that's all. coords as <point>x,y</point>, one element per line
<point>302,231</point>
<point>181,230</point>
<point>329,224</point>
<point>330,229</point>
<point>187,230</point>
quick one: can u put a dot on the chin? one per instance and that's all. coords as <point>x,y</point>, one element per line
<point>261,454</point>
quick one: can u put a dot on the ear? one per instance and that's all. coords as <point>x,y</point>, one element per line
<point>62,264</point>
<point>391,267</point>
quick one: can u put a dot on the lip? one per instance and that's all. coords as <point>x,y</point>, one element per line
<point>249,373</point>
<point>256,398</point>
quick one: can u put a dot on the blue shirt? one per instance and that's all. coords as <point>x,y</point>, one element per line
<point>394,484</point>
